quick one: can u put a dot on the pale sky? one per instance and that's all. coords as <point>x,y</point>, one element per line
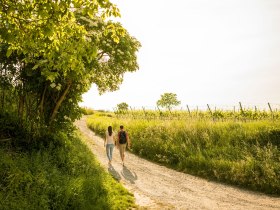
<point>217,52</point>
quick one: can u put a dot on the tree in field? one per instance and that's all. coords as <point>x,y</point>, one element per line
<point>168,100</point>
<point>122,107</point>
<point>51,53</point>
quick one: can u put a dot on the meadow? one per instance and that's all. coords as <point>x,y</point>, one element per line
<point>237,148</point>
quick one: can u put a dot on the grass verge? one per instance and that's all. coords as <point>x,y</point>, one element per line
<point>62,174</point>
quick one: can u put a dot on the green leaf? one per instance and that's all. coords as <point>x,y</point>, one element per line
<point>53,85</point>
<point>35,67</point>
<point>48,31</point>
<point>9,52</point>
<point>94,51</point>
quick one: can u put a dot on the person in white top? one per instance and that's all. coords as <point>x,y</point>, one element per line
<point>109,143</point>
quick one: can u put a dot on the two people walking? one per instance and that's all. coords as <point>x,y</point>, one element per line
<point>121,141</point>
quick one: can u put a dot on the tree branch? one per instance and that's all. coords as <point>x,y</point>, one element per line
<point>41,105</point>
<point>59,102</point>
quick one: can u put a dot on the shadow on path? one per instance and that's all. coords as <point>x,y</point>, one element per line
<point>114,173</point>
<point>128,175</point>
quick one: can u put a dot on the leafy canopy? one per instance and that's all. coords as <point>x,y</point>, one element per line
<point>54,50</point>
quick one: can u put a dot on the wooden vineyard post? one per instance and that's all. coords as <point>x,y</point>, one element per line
<point>271,111</point>
<point>242,111</point>
<point>189,110</point>
<point>241,108</point>
<point>256,113</point>
<point>210,112</point>
<point>144,112</point>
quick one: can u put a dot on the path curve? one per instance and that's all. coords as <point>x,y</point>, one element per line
<point>157,187</point>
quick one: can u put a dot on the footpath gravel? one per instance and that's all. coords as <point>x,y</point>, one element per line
<point>158,187</point>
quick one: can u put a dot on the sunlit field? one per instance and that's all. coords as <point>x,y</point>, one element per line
<point>236,147</point>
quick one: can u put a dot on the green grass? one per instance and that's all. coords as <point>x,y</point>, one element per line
<point>240,153</point>
<point>62,174</point>
<point>87,111</point>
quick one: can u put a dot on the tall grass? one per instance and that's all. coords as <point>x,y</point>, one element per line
<point>240,153</point>
<point>87,111</point>
<point>62,174</point>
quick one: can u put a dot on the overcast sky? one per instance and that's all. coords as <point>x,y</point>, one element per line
<point>217,52</point>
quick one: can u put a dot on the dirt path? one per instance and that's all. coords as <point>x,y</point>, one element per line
<point>157,187</point>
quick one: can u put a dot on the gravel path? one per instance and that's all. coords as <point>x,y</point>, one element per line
<point>157,187</point>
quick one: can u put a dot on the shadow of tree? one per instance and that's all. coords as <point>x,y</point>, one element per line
<point>128,175</point>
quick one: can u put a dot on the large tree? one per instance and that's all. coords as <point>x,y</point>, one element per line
<point>122,107</point>
<point>54,50</point>
<point>168,100</point>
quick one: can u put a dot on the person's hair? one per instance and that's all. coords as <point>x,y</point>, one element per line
<point>110,130</point>
<point>121,127</point>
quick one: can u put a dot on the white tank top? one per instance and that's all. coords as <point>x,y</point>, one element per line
<point>110,139</point>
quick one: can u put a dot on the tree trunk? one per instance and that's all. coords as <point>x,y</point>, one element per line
<point>59,102</point>
<point>3,99</point>
<point>3,91</point>
<point>21,108</point>
<point>41,105</point>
